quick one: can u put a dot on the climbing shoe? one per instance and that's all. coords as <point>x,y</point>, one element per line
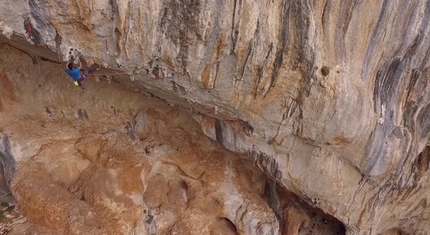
<point>76,83</point>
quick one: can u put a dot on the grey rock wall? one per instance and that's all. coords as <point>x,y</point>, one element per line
<point>8,168</point>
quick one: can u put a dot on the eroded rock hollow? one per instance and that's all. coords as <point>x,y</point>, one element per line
<point>329,99</point>
<point>110,160</point>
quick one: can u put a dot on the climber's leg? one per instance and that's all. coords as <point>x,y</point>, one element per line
<point>80,83</point>
<point>92,69</point>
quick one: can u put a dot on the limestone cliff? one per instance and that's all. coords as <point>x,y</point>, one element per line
<point>110,161</point>
<point>329,98</point>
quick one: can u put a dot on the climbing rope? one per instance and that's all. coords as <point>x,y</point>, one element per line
<point>109,74</point>
<point>213,110</point>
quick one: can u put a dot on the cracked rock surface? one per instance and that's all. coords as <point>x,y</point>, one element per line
<point>329,98</point>
<point>107,160</point>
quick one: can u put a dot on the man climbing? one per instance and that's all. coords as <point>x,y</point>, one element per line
<point>75,72</point>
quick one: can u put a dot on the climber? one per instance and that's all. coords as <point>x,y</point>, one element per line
<point>75,72</point>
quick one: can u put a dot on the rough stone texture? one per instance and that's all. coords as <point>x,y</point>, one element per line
<point>107,160</point>
<point>329,98</point>
<point>7,169</point>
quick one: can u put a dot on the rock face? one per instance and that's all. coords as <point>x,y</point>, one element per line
<point>7,169</point>
<point>106,160</point>
<point>328,98</point>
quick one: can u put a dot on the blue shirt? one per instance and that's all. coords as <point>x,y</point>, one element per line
<point>75,73</point>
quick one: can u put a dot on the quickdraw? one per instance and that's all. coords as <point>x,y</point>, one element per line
<point>30,31</point>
